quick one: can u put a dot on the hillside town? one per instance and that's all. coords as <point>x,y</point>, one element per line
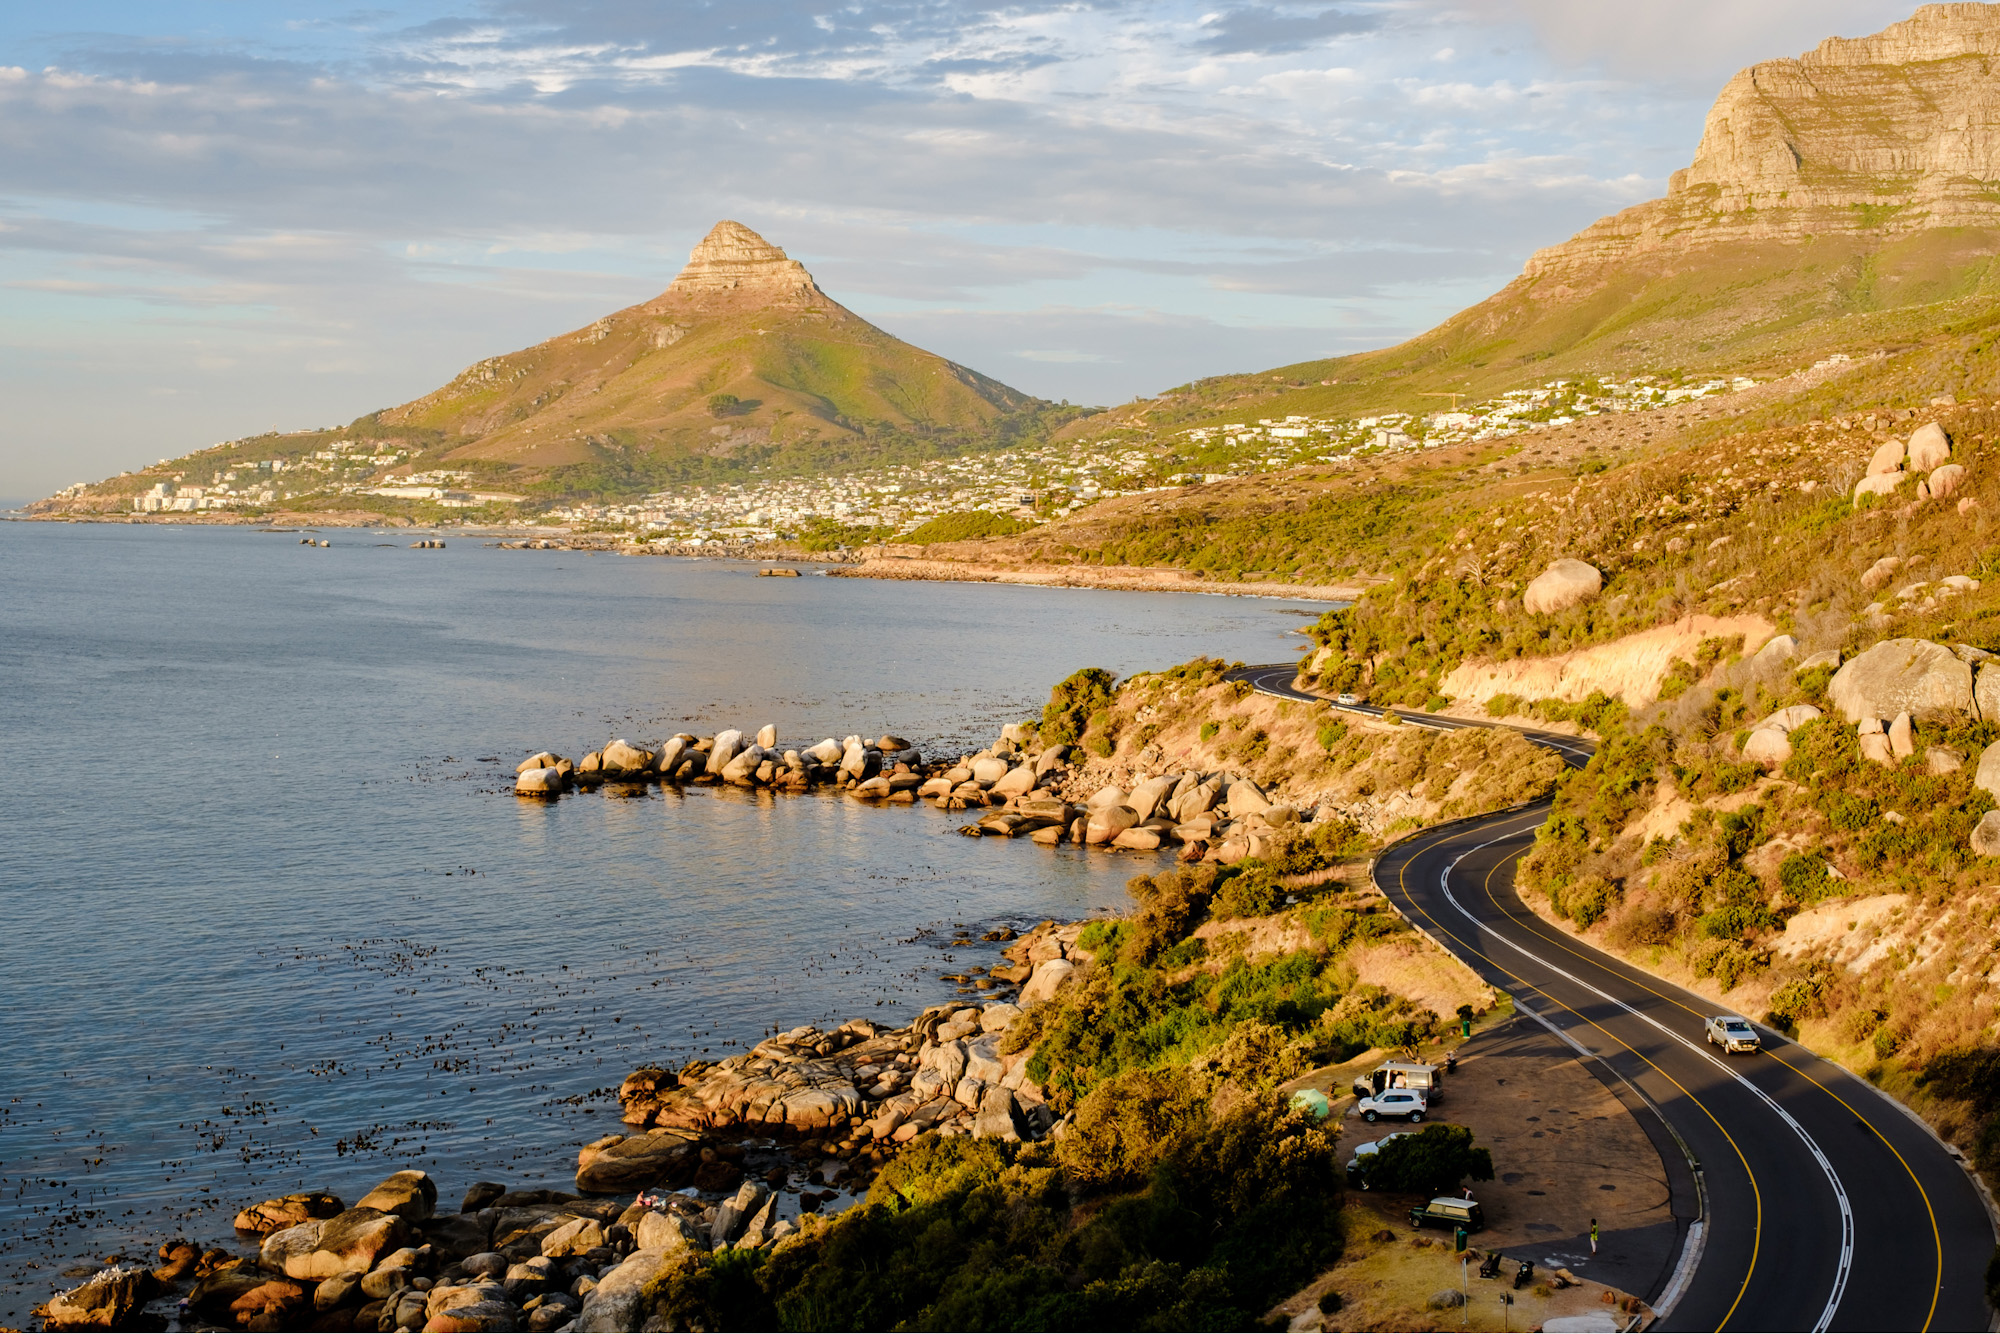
<point>1030,483</point>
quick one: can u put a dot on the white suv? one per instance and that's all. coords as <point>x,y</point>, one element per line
<point>1731,1032</point>
<point>1393,1102</point>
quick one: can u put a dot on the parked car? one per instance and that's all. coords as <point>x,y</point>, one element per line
<point>1355,1176</point>
<point>1731,1032</point>
<point>1346,700</point>
<point>1405,1103</point>
<point>1449,1211</point>
<point>1427,1080</point>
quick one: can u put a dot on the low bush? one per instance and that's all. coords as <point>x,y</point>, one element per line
<point>1225,1213</point>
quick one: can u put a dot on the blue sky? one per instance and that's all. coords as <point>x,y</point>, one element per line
<point>221,217</point>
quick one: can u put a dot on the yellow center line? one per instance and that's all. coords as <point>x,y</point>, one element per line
<point>1757,1194</point>
<point>1542,931</point>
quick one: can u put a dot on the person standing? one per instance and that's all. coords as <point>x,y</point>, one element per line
<point>1593,1236</point>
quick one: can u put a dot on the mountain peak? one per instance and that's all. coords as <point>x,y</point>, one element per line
<point>734,262</point>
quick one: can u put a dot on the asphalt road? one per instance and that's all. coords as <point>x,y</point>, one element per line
<point>1825,1205</point>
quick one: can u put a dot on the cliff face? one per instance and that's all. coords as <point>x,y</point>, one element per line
<point>1876,136</point>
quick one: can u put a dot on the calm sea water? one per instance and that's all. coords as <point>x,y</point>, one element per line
<point>273,918</point>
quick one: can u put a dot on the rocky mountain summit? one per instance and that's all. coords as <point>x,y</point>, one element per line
<point>1881,135</point>
<point>734,262</point>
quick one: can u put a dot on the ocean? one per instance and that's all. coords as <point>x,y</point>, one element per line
<point>274,919</point>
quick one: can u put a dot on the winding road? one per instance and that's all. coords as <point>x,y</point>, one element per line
<point>1824,1205</point>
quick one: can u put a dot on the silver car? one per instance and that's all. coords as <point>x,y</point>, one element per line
<point>1731,1032</point>
<point>1393,1102</point>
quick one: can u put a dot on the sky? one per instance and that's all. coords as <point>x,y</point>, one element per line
<point>218,217</point>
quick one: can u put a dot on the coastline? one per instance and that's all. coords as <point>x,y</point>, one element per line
<point>1116,578</point>
<point>865,563</point>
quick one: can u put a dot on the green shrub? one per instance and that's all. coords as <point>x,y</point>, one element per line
<point>1127,1124</point>
<point>1729,962</point>
<point>1504,706</point>
<point>1434,1160</point>
<point>1254,891</point>
<point>1585,901</point>
<point>966,525</point>
<point>1803,997</point>
<point>1209,729</point>
<point>1681,674</point>
<point>1806,879</point>
<point>1331,733</point>
<point>1072,703</point>
<point>1171,905</point>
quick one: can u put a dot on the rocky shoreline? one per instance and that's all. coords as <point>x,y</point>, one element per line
<point>736,1154</point>
<point>1026,788</point>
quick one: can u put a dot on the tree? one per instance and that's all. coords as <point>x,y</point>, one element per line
<point>1429,1162</point>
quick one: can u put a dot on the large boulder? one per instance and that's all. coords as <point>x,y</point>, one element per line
<point>1563,585</point>
<point>1049,977</point>
<point>289,1211</point>
<point>286,1250</point>
<point>1946,480</point>
<point>1886,459</point>
<point>409,1195</point>
<point>733,1214</point>
<point>1987,775</point>
<point>1881,572</point>
<point>989,769</point>
<point>1108,822</point>
<point>1149,797</point>
<point>1791,718</point>
<point>352,1240</point>
<point>1986,692</point>
<point>641,1161</point>
<point>1018,781</point>
<point>538,782</point>
<point>107,1300</point>
<point>727,743</point>
<point>1901,676</point>
<point>575,1237</point>
<point>214,1294</point>
<point>490,1317</point>
<point>1778,648</point>
<point>1878,484</point>
<point>669,1234</point>
<point>613,1305</point>
<point>622,756</point>
<point>995,1117</point>
<point>1246,798</point>
<point>1929,448</point>
<point>541,759</point>
<point>1986,835</point>
<point>1768,746</point>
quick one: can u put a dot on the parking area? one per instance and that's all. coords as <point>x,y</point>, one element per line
<point>1567,1147</point>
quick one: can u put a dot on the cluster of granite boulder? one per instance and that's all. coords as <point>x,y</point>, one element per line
<point>888,767</point>
<point>721,1152</point>
<point>508,1260</point>
<point>856,1092</point>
